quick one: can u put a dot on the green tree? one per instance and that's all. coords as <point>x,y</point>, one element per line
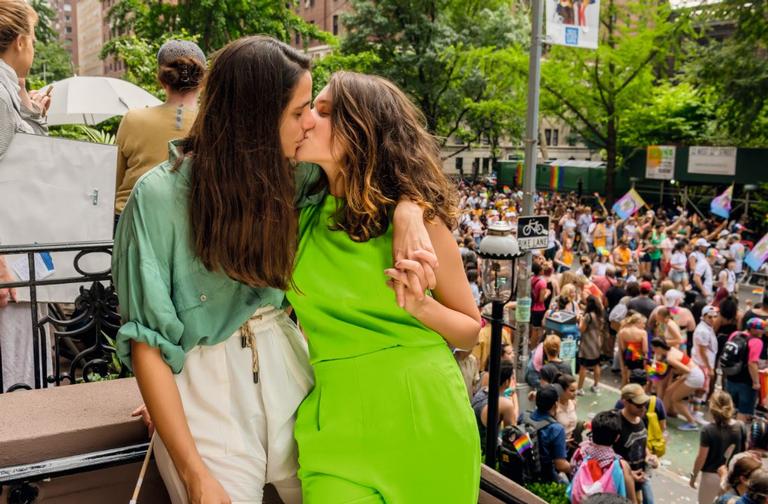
<point>593,90</point>
<point>213,22</point>
<point>52,62</point>
<point>673,115</point>
<point>456,59</point>
<point>734,69</point>
<point>44,31</point>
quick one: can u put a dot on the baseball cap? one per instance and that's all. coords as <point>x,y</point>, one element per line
<point>756,323</point>
<point>724,232</point>
<point>672,296</point>
<point>709,309</point>
<point>634,393</point>
<point>547,397</point>
<point>549,373</point>
<point>712,253</point>
<point>646,286</point>
<point>701,242</point>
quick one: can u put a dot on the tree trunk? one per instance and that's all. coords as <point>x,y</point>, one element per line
<point>610,169</point>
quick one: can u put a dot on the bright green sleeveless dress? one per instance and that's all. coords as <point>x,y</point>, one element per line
<point>389,419</point>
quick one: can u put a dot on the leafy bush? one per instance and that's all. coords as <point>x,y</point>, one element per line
<point>553,493</point>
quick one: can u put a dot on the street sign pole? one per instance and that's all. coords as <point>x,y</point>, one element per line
<point>529,179</point>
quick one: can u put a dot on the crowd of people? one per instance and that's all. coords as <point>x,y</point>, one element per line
<point>656,301</point>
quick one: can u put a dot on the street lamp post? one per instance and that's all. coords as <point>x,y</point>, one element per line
<point>498,253</point>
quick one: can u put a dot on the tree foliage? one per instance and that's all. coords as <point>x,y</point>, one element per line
<point>593,91</point>
<point>52,62</point>
<point>213,23</point>
<point>734,70</point>
<point>460,61</point>
<point>672,115</point>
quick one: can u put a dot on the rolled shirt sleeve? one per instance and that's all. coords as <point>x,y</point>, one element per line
<point>142,279</point>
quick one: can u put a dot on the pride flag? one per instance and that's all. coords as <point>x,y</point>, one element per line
<point>656,370</point>
<point>523,444</point>
<point>555,178</point>
<point>721,205</point>
<point>628,204</point>
<point>519,175</point>
<point>758,255</point>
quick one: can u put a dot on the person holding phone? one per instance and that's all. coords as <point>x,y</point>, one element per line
<point>20,112</point>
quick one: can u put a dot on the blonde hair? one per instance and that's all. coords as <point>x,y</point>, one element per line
<point>666,285</point>
<point>721,407</point>
<point>551,345</point>
<point>17,17</point>
<point>568,277</point>
<point>633,319</point>
<point>568,291</point>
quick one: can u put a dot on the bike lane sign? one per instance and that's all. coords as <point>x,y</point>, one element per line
<point>533,232</point>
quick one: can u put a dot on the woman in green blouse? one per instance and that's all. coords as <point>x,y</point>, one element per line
<point>389,420</point>
<point>203,252</point>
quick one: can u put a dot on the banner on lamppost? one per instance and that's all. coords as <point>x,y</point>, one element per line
<point>660,162</point>
<point>573,23</point>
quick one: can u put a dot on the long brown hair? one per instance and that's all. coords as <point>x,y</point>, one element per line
<point>388,154</point>
<point>241,205</point>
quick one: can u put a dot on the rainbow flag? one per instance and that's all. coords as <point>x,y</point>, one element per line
<point>506,189</point>
<point>519,175</point>
<point>555,178</point>
<point>633,353</point>
<point>758,254</point>
<point>656,370</point>
<point>628,204</point>
<point>721,205</point>
<point>523,444</point>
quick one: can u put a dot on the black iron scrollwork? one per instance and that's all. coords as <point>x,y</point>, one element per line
<point>83,340</point>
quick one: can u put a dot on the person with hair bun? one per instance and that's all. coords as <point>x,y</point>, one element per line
<point>143,135</point>
<point>718,442</point>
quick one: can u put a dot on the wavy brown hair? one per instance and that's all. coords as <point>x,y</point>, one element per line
<point>241,204</point>
<point>388,154</point>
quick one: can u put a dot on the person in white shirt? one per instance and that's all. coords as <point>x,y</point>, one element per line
<point>702,277</point>
<point>737,252</point>
<point>727,277</point>
<point>677,272</point>
<point>705,346</point>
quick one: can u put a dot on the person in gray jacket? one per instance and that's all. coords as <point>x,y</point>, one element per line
<point>20,111</point>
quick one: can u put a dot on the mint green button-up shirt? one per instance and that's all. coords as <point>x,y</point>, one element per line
<point>168,299</point>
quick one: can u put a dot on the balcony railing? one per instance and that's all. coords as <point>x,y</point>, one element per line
<point>81,331</point>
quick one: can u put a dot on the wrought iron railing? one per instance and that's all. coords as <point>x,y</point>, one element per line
<point>82,346</point>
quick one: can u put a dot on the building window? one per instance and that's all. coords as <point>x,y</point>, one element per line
<point>460,165</point>
<point>548,136</point>
<point>67,8</point>
<point>335,24</point>
<point>555,135</point>
<point>68,29</point>
<point>298,38</point>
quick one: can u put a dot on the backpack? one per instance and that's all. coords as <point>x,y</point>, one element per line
<point>590,479</point>
<point>656,442</point>
<point>520,450</point>
<point>734,356</point>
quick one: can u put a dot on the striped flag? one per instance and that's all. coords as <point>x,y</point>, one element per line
<point>721,205</point>
<point>555,178</point>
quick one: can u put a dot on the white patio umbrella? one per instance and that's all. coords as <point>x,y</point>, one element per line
<point>90,100</point>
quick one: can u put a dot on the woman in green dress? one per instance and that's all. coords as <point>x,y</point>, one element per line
<point>389,419</point>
